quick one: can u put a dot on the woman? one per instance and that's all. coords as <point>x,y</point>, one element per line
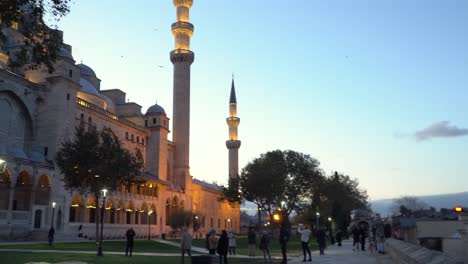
<point>223,244</point>
<point>212,242</point>
<point>232,242</point>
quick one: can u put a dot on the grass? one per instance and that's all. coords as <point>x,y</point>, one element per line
<point>119,246</point>
<point>24,257</point>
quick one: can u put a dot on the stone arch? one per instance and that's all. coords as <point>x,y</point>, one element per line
<point>5,183</point>
<point>42,191</point>
<point>110,211</point>
<point>128,212</point>
<point>144,213</point>
<point>168,211</point>
<point>23,190</point>
<point>76,209</point>
<point>91,209</point>
<point>154,215</point>
<point>120,212</point>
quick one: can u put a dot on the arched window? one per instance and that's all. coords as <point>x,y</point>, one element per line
<point>120,212</point>
<point>129,212</point>
<point>168,211</point>
<point>76,208</point>
<point>154,215</point>
<point>144,214</point>
<point>43,190</point>
<point>5,183</point>
<point>23,191</point>
<point>91,208</point>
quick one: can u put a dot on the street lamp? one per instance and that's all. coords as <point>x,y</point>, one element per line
<point>329,219</point>
<point>104,192</point>
<point>4,164</point>
<point>53,212</point>
<point>149,226</point>
<point>318,216</point>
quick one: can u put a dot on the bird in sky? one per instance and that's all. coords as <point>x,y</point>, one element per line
<point>160,66</point>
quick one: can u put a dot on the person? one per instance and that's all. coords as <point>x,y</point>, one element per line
<point>321,240</point>
<point>339,237</point>
<point>252,240</point>
<point>80,228</point>
<point>363,236</point>
<point>283,240</point>
<point>130,234</point>
<point>212,242</point>
<point>232,242</point>
<point>380,234</point>
<point>223,244</point>
<point>305,236</point>
<point>265,246</point>
<point>51,235</point>
<point>356,233</point>
<point>186,244</point>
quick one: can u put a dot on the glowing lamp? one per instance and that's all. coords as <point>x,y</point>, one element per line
<point>458,209</point>
<point>276,217</point>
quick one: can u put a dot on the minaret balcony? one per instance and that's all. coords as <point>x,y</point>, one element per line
<point>233,144</point>
<point>233,121</point>
<point>182,55</point>
<point>187,3</point>
<point>181,27</point>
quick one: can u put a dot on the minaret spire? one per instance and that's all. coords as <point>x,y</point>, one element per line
<point>182,57</point>
<point>233,144</point>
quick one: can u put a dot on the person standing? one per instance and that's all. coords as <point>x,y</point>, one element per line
<point>380,234</point>
<point>130,234</point>
<point>363,237</point>
<point>305,237</point>
<point>265,246</point>
<point>339,237</point>
<point>321,240</point>
<point>186,244</point>
<point>212,242</point>
<point>356,233</point>
<point>283,240</point>
<point>232,242</point>
<point>223,244</point>
<point>252,240</point>
<point>50,236</point>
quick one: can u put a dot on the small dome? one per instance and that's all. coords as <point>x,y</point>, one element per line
<point>63,52</point>
<point>155,109</point>
<point>87,87</point>
<point>86,70</point>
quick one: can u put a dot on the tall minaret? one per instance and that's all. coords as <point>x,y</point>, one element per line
<point>233,144</point>
<point>182,58</point>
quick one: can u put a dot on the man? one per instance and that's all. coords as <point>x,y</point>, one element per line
<point>305,236</point>
<point>252,240</point>
<point>283,240</point>
<point>51,235</point>
<point>356,233</point>
<point>130,234</point>
<point>363,237</point>
<point>339,237</point>
<point>321,240</point>
<point>186,244</point>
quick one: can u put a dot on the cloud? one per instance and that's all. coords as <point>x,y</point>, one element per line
<point>440,129</point>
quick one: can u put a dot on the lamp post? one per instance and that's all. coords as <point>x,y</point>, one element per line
<point>149,225</point>
<point>53,212</point>
<point>104,192</point>
<point>4,164</point>
<point>318,216</point>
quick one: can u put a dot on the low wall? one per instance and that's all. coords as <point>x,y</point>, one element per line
<point>403,252</point>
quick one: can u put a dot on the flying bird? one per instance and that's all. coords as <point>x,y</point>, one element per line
<point>160,66</point>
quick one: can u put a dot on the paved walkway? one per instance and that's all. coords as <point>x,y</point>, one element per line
<point>343,254</point>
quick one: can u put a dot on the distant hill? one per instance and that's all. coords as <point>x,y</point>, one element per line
<point>436,201</point>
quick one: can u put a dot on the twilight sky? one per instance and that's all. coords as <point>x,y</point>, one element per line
<point>374,89</point>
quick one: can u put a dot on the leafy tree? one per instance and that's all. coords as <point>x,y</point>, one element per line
<point>231,193</point>
<point>406,205</point>
<point>94,160</point>
<point>280,180</point>
<point>180,219</point>
<point>41,44</point>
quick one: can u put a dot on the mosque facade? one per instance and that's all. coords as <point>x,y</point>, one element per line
<point>39,110</point>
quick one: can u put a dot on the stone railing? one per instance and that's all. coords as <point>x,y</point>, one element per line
<point>406,253</point>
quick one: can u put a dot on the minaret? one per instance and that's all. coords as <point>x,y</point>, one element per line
<point>233,144</point>
<point>182,58</point>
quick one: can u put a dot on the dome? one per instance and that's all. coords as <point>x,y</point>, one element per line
<point>87,87</point>
<point>86,70</point>
<point>155,109</point>
<point>63,52</point>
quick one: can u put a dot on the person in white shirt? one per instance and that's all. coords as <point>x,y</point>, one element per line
<point>305,237</point>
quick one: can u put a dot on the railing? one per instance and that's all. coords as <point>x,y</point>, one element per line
<point>181,24</point>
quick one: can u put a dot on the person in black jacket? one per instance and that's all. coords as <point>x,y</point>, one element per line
<point>321,240</point>
<point>223,245</point>
<point>339,237</point>
<point>51,235</point>
<point>363,237</point>
<point>130,234</point>
<point>283,240</point>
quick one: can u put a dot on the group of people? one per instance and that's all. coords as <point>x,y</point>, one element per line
<point>376,240</point>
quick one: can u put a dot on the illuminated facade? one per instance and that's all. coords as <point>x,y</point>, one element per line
<point>39,110</point>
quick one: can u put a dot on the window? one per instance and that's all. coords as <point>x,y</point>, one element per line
<point>143,141</point>
<point>219,223</point>
<point>68,97</point>
<point>211,222</point>
<point>126,135</point>
<point>138,139</point>
<point>70,73</point>
<point>146,123</point>
<point>46,151</point>
<point>154,120</point>
<point>132,138</point>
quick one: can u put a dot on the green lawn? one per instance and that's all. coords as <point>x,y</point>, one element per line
<point>23,257</point>
<point>139,246</point>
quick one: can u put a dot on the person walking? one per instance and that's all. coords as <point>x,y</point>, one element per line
<point>321,240</point>
<point>356,233</point>
<point>50,236</point>
<point>339,237</point>
<point>363,236</point>
<point>379,234</point>
<point>212,242</point>
<point>265,246</point>
<point>223,244</point>
<point>305,237</point>
<point>130,234</point>
<point>186,244</point>
<point>232,242</point>
<point>283,240</point>
<point>252,240</point>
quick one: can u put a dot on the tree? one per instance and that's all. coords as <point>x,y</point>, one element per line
<point>406,205</point>
<point>41,44</point>
<point>180,219</point>
<point>94,160</point>
<point>280,181</point>
<point>231,193</point>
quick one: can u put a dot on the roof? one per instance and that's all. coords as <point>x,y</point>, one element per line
<point>213,187</point>
<point>86,70</point>
<point>232,99</point>
<point>156,109</point>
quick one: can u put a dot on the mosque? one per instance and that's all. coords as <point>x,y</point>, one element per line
<point>39,110</point>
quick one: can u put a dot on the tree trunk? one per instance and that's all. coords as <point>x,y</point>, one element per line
<point>97,218</point>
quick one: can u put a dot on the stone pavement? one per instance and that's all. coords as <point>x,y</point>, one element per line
<point>343,254</point>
